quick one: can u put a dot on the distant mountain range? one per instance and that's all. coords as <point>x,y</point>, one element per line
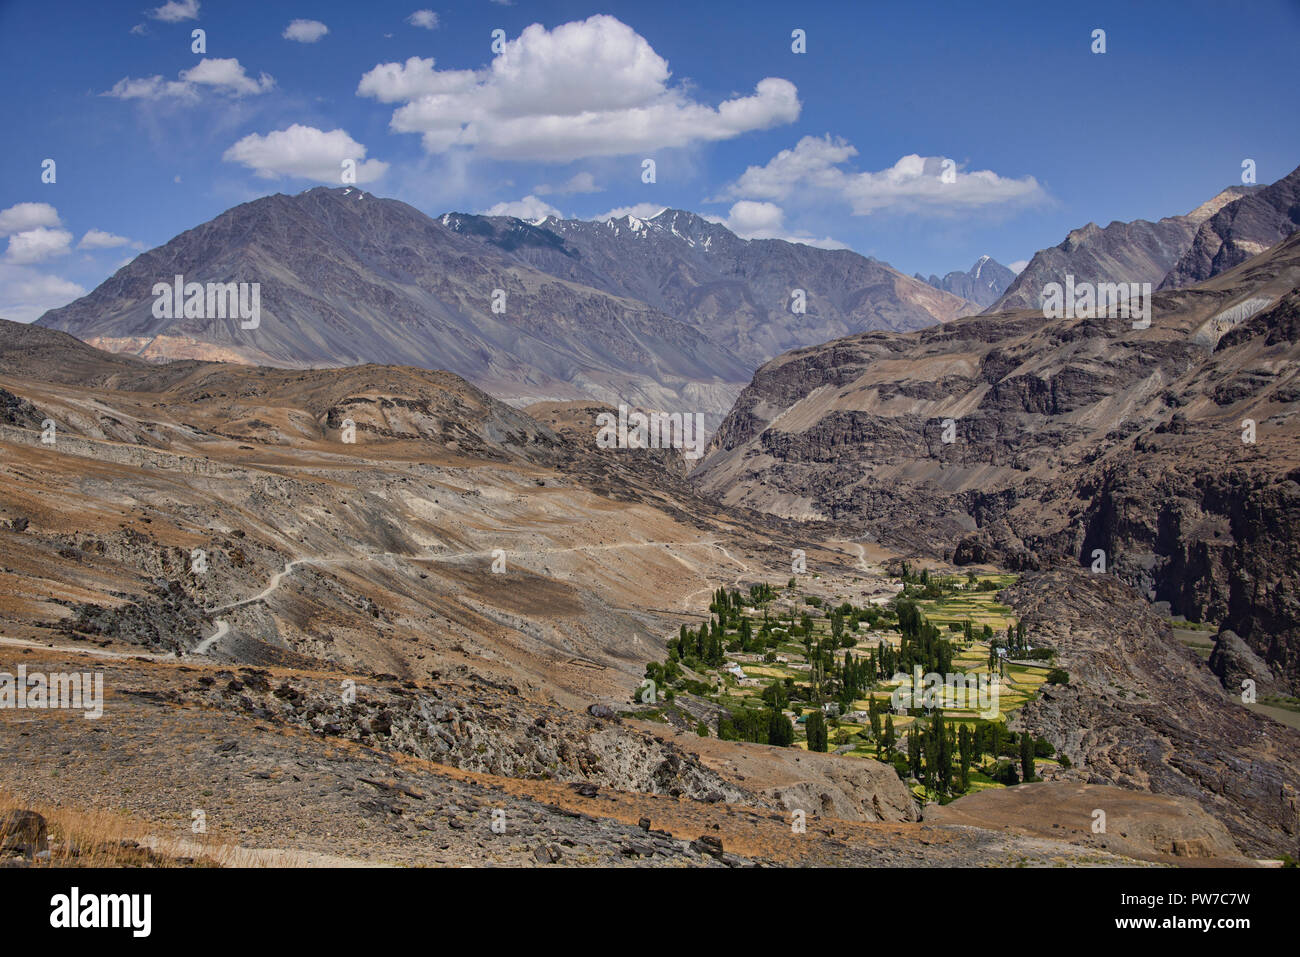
<point>1174,252</point>
<point>983,284</point>
<point>668,312</point>
<point>737,292</point>
<point>672,312</point>
<point>1140,251</point>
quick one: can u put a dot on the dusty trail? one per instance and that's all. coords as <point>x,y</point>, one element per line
<point>94,652</point>
<point>272,586</point>
<point>735,582</point>
<point>222,630</point>
<point>862,556</point>
<point>223,627</point>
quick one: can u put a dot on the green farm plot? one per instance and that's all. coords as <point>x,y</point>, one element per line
<point>979,781</point>
<point>980,607</point>
<point>1021,685</point>
<point>766,671</point>
<point>1031,675</point>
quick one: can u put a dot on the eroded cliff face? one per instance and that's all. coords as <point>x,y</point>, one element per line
<point>1141,712</point>
<point>1170,455</point>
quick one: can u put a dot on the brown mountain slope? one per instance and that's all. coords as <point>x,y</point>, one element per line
<point>736,292</point>
<point>671,313</point>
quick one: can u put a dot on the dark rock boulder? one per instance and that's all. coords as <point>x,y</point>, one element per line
<point>1234,661</point>
<point>23,832</point>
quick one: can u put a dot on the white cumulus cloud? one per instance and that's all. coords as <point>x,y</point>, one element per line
<point>416,78</point>
<point>226,75</point>
<point>753,219</point>
<point>23,216</point>
<point>223,75</point>
<point>26,295</point>
<point>174,11</point>
<point>305,31</point>
<point>748,218</point>
<point>423,18</point>
<point>305,152</point>
<point>915,183</point>
<point>37,245</point>
<point>588,88</point>
<point>99,239</point>
<point>530,207</point>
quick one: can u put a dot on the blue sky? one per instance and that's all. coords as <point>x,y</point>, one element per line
<point>841,145</point>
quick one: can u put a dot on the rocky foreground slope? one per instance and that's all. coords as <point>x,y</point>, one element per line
<point>1141,712</point>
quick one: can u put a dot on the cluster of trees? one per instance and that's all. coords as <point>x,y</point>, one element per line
<point>842,680</point>
<point>696,648</point>
<point>757,726</point>
<point>924,585</point>
<point>941,754</point>
<point>938,753</point>
<point>921,642</point>
<point>1014,641</point>
<point>941,757</point>
<point>815,728</point>
<point>930,752</point>
<point>726,604</point>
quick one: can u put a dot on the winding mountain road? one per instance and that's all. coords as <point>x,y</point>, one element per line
<point>223,627</point>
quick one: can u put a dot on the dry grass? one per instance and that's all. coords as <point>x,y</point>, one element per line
<point>101,837</point>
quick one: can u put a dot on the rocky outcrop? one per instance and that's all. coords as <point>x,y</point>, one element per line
<point>24,833</point>
<point>1236,663</point>
<point>1238,231</point>
<point>1141,711</point>
<point>849,790</point>
<point>476,726</point>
